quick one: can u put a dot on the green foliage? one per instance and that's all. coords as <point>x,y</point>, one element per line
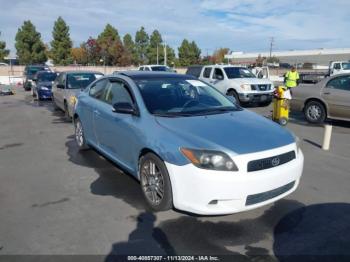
<point>154,44</point>
<point>142,42</point>
<point>130,49</point>
<point>30,48</point>
<point>3,51</point>
<point>61,43</point>
<point>110,45</point>
<point>219,55</point>
<point>189,53</point>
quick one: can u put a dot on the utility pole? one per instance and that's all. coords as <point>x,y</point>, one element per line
<point>272,40</point>
<point>165,55</point>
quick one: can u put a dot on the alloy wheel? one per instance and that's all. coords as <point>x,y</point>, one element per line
<point>79,135</point>
<point>314,112</point>
<point>152,182</point>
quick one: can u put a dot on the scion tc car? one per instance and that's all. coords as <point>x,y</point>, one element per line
<point>43,84</point>
<point>190,147</point>
<point>68,85</point>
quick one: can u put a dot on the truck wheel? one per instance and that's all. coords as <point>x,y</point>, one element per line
<point>315,112</point>
<point>155,182</point>
<point>235,95</point>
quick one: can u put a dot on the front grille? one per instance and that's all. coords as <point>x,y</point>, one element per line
<point>261,87</point>
<point>261,197</point>
<point>270,162</point>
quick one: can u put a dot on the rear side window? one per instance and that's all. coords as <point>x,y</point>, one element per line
<point>207,72</point>
<point>337,66</point>
<point>342,83</point>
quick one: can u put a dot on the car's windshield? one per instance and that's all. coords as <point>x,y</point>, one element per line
<point>160,68</point>
<point>181,97</point>
<point>81,80</point>
<point>238,72</point>
<point>346,66</point>
<point>33,70</point>
<point>46,77</point>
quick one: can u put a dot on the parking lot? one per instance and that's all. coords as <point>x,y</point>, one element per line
<point>56,200</point>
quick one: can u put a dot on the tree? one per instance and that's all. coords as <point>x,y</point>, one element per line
<point>61,43</point>
<point>189,53</point>
<point>3,51</point>
<point>109,43</point>
<point>30,48</point>
<point>141,42</point>
<point>79,55</point>
<point>154,44</point>
<point>219,55</point>
<point>92,50</point>
<point>130,49</point>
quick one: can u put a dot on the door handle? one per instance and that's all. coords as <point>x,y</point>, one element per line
<point>327,93</point>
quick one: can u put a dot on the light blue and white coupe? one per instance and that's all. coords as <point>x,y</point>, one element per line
<point>191,148</point>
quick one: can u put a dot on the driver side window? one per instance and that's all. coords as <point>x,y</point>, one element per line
<point>218,74</point>
<point>98,89</point>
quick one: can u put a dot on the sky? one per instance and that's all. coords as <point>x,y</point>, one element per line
<point>241,25</point>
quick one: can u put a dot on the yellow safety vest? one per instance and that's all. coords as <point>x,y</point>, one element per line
<point>291,79</point>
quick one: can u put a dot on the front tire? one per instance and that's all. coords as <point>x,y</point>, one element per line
<point>79,135</point>
<point>155,182</point>
<point>235,96</point>
<point>66,113</point>
<point>315,112</point>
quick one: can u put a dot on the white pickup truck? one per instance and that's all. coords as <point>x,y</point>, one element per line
<point>235,81</point>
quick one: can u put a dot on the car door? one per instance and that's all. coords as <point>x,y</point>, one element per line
<point>337,95</point>
<point>87,104</point>
<point>218,80</point>
<point>117,133</point>
<point>58,91</point>
<point>206,74</point>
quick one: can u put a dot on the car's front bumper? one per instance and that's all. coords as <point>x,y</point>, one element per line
<point>256,97</point>
<point>45,94</point>
<point>210,192</point>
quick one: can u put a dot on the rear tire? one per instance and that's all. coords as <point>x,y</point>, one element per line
<point>79,135</point>
<point>315,112</point>
<point>155,182</point>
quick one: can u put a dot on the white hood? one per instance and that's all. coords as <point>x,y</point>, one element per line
<point>251,81</point>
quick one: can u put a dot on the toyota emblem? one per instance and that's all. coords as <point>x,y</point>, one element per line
<point>275,161</point>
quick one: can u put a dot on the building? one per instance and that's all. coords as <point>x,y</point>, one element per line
<point>320,57</point>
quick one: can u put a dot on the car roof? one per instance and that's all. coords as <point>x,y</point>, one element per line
<point>137,75</point>
<point>81,71</point>
<point>153,65</point>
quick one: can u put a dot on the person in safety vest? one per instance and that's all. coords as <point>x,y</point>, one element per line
<point>291,78</point>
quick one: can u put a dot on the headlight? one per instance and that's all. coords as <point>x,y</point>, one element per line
<point>73,100</point>
<point>246,87</point>
<point>43,88</point>
<point>209,159</point>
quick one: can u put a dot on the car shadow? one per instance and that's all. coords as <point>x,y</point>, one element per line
<point>112,180</point>
<point>191,235</point>
<point>318,232</point>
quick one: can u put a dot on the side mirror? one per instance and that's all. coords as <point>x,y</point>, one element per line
<point>124,108</point>
<point>60,86</point>
<point>220,77</point>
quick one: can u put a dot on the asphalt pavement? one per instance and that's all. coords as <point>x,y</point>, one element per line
<point>55,200</point>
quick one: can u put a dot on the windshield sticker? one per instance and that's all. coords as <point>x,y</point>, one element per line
<point>98,76</point>
<point>246,71</point>
<point>196,83</point>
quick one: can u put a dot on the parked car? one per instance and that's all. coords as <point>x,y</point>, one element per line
<point>236,81</point>
<point>68,85</point>
<point>161,68</point>
<point>329,98</point>
<point>42,89</point>
<point>29,73</point>
<point>189,146</point>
